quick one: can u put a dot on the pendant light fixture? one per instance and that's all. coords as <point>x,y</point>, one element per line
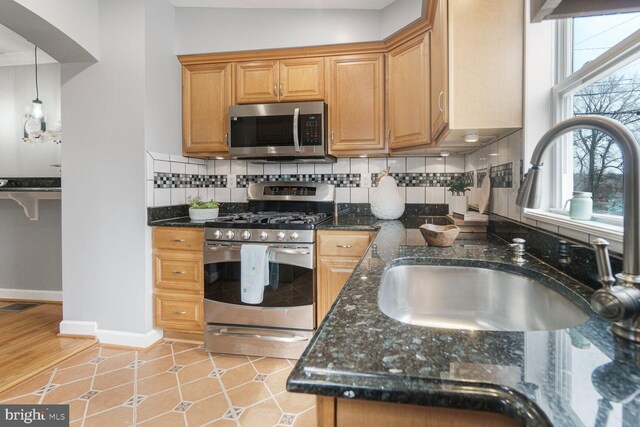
<point>35,124</point>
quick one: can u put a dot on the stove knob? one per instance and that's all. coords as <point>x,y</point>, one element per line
<point>294,236</point>
<point>281,235</point>
<point>264,235</point>
<point>230,234</point>
<point>246,235</point>
<point>217,234</point>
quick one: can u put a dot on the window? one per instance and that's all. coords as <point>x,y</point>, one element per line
<point>598,73</point>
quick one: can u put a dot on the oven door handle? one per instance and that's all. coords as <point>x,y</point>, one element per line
<point>214,248</point>
<point>224,332</point>
<point>288,251</point>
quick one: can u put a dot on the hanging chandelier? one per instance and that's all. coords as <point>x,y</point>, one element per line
<point>35,124</point>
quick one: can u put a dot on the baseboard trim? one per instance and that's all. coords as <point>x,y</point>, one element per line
<point>30,295</point>
<point>117,338</point>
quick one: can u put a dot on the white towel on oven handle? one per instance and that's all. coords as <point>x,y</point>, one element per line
<point>254,272</point>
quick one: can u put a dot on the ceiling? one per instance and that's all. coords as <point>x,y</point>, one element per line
<point>15,50</point>
<point>285,4</point>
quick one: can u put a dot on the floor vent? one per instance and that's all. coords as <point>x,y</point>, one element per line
<point>18,307</point>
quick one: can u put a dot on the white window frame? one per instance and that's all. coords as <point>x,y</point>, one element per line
<point>560,160</point>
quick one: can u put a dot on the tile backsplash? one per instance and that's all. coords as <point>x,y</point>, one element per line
<point>173,179</point>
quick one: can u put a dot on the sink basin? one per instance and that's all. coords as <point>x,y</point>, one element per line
<point>473,298</point>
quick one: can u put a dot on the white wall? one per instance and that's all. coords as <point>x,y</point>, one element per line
<point>76,18</point>
<point>17,90</point>
<point>398,14</point>
<point>203,30</point>
<point>30,249</point>
<point>103,214</point>
<point>163,84</point>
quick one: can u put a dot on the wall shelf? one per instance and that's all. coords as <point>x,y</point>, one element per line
<point>30,199</point>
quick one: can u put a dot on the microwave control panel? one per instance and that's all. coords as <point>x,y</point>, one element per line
<point>311,132</point>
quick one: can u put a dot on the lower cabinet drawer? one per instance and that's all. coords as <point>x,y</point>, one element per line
<point>181,312</point>
<point>343,243</point>
<point>177,270</point>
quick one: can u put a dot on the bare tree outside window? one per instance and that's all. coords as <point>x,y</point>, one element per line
<point>598,161</point>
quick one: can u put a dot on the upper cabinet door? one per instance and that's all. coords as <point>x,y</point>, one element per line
<point>206,96</point>
<point>439,70</point>
<point>408,94</point>
<point>301,79</point>
<point>257,82</point>
<point>355,95</point>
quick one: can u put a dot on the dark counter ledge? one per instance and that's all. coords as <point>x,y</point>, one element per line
<point>539,378</point>
<point>32,185</point>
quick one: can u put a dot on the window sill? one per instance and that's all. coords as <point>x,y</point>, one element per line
<point>586,230</point>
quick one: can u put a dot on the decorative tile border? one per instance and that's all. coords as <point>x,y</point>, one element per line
<point>502,175</point>
<point>181,180</point>
<point>338,179</point>
<point>468,178</point>
<point>408,179</point>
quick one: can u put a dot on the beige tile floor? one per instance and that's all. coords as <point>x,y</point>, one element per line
<point>172,384</point>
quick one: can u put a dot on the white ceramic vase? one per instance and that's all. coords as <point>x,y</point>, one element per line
<point>203,214</point>
<point>386,202</point>
<point>458,204</point>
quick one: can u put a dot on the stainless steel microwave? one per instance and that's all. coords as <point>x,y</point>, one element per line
<point>282,132</point>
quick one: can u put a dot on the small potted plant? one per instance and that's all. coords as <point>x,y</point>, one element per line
<point>458,200</point>
<point>200,210</point>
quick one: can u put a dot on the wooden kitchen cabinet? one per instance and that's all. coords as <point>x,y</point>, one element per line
<point>334,412</point>
<point>338,255</point>
<point>355,98</point>
<point>408,115</point>
<point>439,67</point>
<point>476,68</point>
<point>280,81</point>
<point>178,284</point>
<point>206,97</point>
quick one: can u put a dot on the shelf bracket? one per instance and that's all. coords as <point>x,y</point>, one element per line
<point>29,203</point>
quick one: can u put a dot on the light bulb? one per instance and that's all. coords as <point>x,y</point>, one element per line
<point>37,109</point>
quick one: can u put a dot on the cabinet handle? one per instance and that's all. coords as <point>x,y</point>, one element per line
<point>440,107</point>
<point>275,90</point>
<point>179,313</point>
<point>388,135</point>
<point>344,246</point>
<point>226,137</point>
<point>179,240</point>
<point>179,272</point>
<point>280,89</point>
<point>332,136</point>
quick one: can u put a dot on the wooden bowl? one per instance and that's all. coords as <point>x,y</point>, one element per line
<point>439,235</point>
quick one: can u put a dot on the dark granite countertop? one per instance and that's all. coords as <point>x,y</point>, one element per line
<point>570,377</point>
<point>30,185</point>
<point>30,189</point>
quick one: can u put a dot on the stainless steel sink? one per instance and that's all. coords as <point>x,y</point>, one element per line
<point>473,298</point>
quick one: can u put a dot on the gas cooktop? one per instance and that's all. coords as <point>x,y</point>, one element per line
<point>270,220</point>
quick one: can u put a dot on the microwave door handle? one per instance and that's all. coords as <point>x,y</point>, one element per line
<point>296,140</point>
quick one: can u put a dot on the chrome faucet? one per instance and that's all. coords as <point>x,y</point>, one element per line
<point>619,299</point>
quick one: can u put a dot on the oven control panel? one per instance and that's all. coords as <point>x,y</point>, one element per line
<point>258,235</point>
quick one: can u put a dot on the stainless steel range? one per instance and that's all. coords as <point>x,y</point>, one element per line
<point>282,216</point>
